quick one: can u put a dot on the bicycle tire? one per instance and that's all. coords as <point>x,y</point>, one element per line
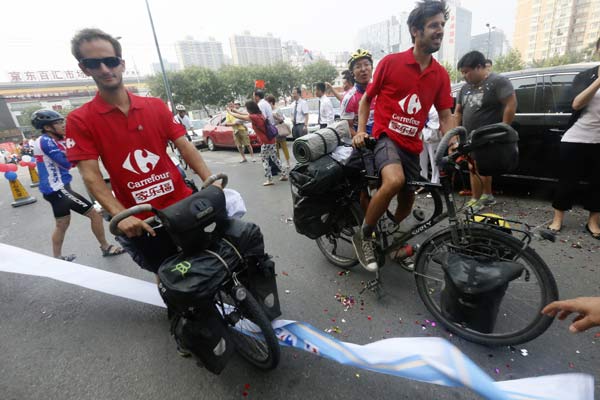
<point>351,225</point>
<point>270,354</point>
<point>483,236</point>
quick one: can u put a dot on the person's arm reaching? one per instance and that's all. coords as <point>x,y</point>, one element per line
<point>92,177</point>
<point>244,117</point>
<point>588,309</point>
<point>364,108</point>
<point>337,95</point>
<point>583,98</point>
<point>57,155</point>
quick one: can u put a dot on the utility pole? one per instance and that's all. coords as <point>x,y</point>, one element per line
<point>162,66</point>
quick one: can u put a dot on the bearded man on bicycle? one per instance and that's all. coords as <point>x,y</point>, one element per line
<point>406,85</point>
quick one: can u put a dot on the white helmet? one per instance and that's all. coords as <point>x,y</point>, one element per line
<point>180,107</point>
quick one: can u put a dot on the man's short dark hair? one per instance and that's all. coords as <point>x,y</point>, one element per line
<point>270,99</point>
<point>472,59</point>
<point>259,93</point>
<point>423,11</point>
<point>298,90</point>
<point>90,34</point>
<point>347,75</point>
<point>320,86</point>
<point>488,61</point>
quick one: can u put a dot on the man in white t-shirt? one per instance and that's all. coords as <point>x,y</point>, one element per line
<point>183,119</point>
<point>326,115</point>
<point>299,114</point>
<point>265,107</point>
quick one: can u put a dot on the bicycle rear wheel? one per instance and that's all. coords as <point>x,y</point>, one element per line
<point>253,335</point>
<point>518,319</point>
<point>336,246</point>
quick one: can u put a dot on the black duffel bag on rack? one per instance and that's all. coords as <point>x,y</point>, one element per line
<point>317,177</point>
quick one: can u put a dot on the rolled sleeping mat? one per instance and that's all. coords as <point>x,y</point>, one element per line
<point>315,145</point>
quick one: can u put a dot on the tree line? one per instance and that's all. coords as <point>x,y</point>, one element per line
<point>200,88</point>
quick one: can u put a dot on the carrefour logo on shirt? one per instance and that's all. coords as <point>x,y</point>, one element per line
<point>411,104</point>
<point>140,161</point>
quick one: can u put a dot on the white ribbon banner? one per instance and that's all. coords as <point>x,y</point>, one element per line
<point>432,360</point>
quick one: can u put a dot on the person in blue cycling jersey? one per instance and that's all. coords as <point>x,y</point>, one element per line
<point>55,184</point>
<point>361,66</point>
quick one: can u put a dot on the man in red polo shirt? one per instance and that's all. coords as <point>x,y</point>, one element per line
<point>406,85</point>
<point>130,134</point>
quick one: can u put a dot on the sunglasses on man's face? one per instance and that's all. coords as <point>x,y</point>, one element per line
<point>94,63</point>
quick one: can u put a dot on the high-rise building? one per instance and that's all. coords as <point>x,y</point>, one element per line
<point>492,44</point>
<point>294,54</point>
<point>258,50</point>
<point>169,66</point>
<point>389,36</point>
<point>545,28</point>
<point>457,34</point>
<point>208,54</point>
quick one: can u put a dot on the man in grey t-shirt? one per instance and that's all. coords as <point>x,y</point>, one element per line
<point>486,98</point>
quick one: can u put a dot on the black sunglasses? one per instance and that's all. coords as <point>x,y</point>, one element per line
<point>94,63</point>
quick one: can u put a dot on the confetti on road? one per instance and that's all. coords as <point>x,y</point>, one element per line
<point>287,292</point>
<point>524,352</point>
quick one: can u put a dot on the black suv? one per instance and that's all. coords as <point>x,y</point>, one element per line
<point>543,112</point>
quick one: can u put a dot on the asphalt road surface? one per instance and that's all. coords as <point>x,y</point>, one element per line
<point>59,341</point>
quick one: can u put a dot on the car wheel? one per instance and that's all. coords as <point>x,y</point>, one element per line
<point>210,144</point>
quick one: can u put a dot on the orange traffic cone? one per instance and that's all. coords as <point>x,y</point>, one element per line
<point>19,193</point>
<point>35,178</point>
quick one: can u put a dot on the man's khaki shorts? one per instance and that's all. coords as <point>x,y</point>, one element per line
<point>241,138</point>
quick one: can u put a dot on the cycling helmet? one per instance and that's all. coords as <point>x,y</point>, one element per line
<point>180,107</point>
<point>358,55</point>
<point>44,117</point>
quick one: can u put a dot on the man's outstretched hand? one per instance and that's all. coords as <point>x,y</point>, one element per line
<point>588,309</point>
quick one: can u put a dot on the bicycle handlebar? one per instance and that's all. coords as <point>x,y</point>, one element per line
<point>441,157</point>
<point>213,178</point>
<point>112,225</point>
<point>140,208</point>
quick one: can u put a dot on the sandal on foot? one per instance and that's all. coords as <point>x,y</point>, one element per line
<point>111,250</point>
<point>555,231</point>
<point>268,183</point>
<point>595,235</point>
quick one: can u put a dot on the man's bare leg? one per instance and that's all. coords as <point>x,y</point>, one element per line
<point>58,236</point>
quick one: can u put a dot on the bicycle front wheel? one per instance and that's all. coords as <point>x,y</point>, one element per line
<point>253,335</point>
<point>517,318</point>
<point>337,246</point>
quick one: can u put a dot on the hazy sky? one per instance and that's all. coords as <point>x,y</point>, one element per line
<point>36,33</point>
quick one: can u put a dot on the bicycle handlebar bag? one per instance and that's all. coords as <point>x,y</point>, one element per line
<point>495,149</point>
<point>474,289</point>
<point>189,221</point>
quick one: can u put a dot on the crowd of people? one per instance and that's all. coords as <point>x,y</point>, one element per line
<point>405,105</point>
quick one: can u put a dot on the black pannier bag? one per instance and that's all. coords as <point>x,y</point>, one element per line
<point>190,220</point>
<point>313,214</point>
<point>495,149</point>
<point>316,177</point>
<point>187,281</point>
<point>260,277</point>
<point>474,289</point>
<point>206,335</point>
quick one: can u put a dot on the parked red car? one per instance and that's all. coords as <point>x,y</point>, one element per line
<point>217,134</point>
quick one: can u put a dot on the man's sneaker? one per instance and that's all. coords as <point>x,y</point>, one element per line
<point>365,251</point>
<point>487,200</point>
<point>475,205</point>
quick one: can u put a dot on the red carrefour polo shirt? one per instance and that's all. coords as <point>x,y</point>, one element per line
<point>132,148</point>
<point>404,97</point>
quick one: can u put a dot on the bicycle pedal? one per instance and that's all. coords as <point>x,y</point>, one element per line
<point>373,285</point>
